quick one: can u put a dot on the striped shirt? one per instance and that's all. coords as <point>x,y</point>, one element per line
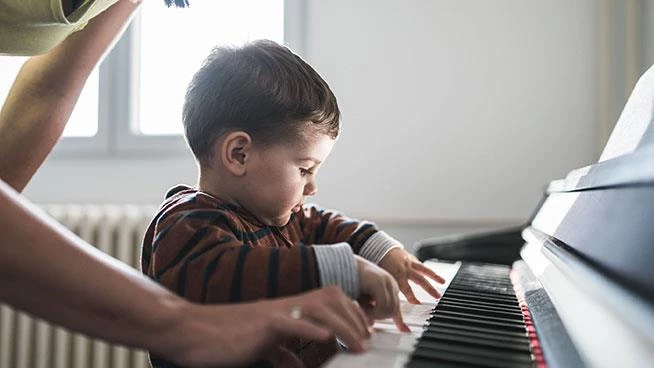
<point>210,251</point>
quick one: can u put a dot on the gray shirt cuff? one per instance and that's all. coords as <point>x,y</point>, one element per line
<point>377,246</point>
<point>337,266</point>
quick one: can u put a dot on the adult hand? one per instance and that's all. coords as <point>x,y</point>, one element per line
<point>403,266</point>
<point>241,333</point>
<point>379,293</point>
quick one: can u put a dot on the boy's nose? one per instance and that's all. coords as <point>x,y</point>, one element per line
<point>310,189</point>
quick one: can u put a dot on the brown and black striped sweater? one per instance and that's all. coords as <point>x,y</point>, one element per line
<point>210,251</point>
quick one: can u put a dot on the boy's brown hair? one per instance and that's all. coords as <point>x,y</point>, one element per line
<point>261,88</point>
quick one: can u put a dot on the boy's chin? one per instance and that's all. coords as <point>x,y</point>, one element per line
<point>282,221</point>
<point>279,221</point>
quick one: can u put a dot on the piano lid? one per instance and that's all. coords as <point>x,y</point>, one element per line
<point>634,129</point>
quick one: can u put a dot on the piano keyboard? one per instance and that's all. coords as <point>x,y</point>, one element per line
<point>478,322</point>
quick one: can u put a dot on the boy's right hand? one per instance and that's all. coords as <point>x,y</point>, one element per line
<point>379,293</point>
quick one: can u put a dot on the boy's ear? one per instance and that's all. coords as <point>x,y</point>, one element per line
<point>235,152</point>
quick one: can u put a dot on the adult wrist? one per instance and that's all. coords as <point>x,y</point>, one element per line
<point>171,330</point>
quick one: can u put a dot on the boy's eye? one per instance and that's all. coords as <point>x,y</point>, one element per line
<point>305,172</point>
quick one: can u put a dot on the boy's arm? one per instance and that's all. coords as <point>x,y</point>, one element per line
<point>322,226</point>
<point>198,254</point>
<point>334,231</point>
<point>45,91</point>
<point>328,227</point>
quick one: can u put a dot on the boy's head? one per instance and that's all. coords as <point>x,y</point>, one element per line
<point>261,88</point>
<point>260,121</point>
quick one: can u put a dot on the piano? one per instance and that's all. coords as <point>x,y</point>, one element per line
<point>577,289</point>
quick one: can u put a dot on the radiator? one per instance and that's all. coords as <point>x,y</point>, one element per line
<point>27,342</point>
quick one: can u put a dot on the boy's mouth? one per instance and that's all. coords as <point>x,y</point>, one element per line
<point>297,208</point>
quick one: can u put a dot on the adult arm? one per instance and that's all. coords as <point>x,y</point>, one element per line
<point>45,91</point>
<point>49,272</point>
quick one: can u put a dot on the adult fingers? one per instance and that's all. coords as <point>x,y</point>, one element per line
<point>354,316</point>
<point>418,266</point>
<point>350,335</point>
<point>291,327</point>
<point>423,283</point>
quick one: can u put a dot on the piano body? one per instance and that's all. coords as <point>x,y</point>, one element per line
<point>581,293</point>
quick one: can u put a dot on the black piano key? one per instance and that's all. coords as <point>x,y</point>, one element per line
<point>478,351</point>
<point>518,321</point>
<point>456,357</point>
<point>487,306</point>
<point>484,283</point>
<point>482,293</point>
<point>478,297</point>
<point>477,310</point>
<point>417,362</point>
<point>498,292</point>
<point>435,325</point>
<point>522,341</point>
<point>482,304</point>
<point>474,341</point>
<point>476,322</point>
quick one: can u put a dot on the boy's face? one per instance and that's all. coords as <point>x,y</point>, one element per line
<point>279,177</point>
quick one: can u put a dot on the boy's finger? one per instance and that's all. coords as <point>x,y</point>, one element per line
<point>399,322</point>
<point>387,303</point>
<point>429,272</point>
<point>364,317</point>
<point>408,293</point>
<point>422,281</point>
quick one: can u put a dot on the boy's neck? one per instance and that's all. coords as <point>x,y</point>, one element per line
<point>216,186</point>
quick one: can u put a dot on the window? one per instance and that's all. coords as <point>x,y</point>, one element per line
<point>174,42</point>
<point>133,103</point>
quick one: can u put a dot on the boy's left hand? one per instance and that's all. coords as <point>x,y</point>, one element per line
<point>404,267</point>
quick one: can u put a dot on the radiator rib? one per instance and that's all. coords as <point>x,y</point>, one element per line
<point>26,342</point>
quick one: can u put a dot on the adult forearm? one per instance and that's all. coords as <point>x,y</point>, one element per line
<point>49,272</point>
<point>45,91</point>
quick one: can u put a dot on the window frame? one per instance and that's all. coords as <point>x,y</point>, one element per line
<point>118,96</point>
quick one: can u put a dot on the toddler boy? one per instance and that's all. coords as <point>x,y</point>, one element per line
<point>260,122</point>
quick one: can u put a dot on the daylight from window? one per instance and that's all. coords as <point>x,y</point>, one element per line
<point>174,42</point>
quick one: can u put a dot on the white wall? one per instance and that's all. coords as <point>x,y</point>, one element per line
<point>648,33</point>
<point>455,113</point>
